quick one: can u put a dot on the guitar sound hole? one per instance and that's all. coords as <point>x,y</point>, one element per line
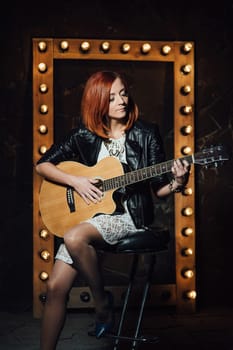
<point>99,184</point>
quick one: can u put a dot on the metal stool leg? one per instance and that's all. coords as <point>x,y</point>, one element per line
<point>126,300</point>
<point>142,307</point>
<point>136,338</point>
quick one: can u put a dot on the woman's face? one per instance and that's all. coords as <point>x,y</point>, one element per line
<point>118,101</point>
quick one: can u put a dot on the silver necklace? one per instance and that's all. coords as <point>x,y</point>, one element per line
<point>115,147</point>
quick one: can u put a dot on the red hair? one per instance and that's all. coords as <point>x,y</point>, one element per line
<point>95,102</point>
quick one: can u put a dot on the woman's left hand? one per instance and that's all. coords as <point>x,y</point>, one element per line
<point>180,170</point>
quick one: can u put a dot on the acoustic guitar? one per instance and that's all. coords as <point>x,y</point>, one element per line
<point>61,207</point>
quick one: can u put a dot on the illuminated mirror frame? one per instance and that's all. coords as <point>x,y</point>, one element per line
<point>182,294</point>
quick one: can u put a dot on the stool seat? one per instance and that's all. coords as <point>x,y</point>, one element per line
<point>149,240</point>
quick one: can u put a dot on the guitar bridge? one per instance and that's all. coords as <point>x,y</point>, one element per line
<point>70,198</point>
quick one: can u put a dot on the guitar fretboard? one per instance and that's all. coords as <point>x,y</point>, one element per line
<point>141,174</point>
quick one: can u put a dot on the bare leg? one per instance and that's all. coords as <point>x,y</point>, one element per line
<point>58,287</point>
<point>79,241</point>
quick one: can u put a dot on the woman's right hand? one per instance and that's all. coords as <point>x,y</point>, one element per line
<point>86,188</point>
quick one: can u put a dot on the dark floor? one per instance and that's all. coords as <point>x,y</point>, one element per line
<point>210,329</point>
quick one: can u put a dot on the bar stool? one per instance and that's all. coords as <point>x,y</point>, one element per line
<point>149,242</point>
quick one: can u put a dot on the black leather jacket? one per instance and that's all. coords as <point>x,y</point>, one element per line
<point>143,148</point>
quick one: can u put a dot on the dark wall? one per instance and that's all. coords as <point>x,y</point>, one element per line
<point>210,29</point>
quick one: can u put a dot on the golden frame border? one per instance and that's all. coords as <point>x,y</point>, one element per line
<point>181,53</point>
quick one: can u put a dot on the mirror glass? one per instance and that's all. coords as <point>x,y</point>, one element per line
<point>151,85</point>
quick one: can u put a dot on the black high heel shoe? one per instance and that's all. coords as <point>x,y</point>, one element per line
<point>102,328</point>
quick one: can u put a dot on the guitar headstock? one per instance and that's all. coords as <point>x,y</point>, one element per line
<point>212,156</point>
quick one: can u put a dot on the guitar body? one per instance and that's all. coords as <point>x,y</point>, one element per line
<point>54,209</point>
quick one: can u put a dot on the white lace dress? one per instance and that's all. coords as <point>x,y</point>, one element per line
<point>111,227</point>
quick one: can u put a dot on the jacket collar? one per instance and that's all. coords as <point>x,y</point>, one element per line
<point>90,146</point>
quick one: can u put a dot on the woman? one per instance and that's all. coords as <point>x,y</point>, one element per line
<point>110,126</point>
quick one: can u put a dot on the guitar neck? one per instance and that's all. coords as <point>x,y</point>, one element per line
<point>132,177</point>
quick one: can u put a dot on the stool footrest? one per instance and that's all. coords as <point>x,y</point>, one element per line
<point>142,339</point>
